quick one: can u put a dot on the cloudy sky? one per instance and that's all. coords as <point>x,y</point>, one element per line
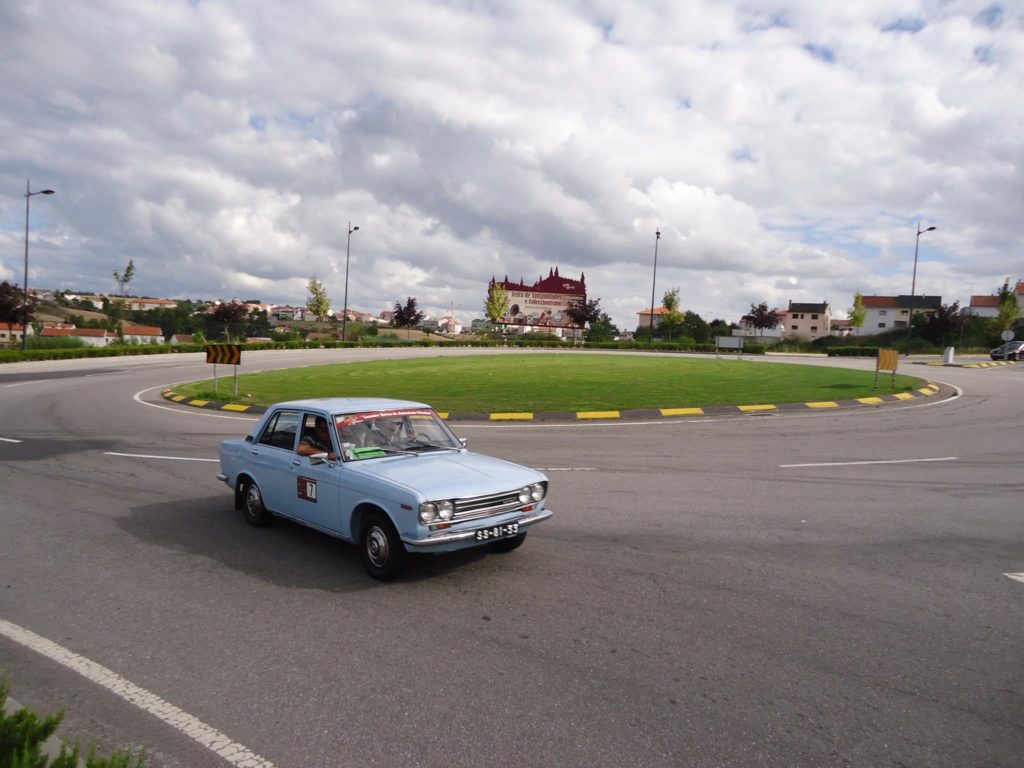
<point>785,150</point>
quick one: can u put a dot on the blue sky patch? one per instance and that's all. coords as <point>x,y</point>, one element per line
<point>820,52</point>
<point>910,25</point>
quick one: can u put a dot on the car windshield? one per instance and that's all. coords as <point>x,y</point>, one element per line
<point>408,431</point>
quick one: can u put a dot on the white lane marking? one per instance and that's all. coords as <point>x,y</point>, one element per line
<point>858,463</point>
<point>151,456</point>
<point>565,469</point>
<point>8,440</point>
<point>137,397</point>
<point>1015,576</point>
<point>209,737</point>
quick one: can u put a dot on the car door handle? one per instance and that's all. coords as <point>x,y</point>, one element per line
<point>296,462</point>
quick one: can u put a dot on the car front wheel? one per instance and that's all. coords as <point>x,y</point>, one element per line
<point>382,550</point>
<point>253,511</point>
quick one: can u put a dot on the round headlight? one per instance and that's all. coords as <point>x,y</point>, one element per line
<point>445,510</point>
<point>428,512</point>
<point>524,495</point>
<point>537,491</point>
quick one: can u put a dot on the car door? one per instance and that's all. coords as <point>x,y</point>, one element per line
<point>314,483</point>
<point>271,459</point>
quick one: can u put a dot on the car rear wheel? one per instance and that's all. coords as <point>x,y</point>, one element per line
<point>382,550</point>
<point>507,545</point>
<point>253,511</point>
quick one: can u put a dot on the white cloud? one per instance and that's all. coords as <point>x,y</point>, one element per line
<point>784,156</point>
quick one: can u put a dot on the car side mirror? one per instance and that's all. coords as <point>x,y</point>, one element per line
<point>463,441</point>
<point>249,438</point>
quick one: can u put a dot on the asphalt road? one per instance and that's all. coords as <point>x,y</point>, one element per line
<point>711,592</point>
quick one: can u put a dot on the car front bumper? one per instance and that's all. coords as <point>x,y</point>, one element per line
<point>445,540</point>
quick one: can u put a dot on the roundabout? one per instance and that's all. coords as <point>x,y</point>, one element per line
<point>794,587</point>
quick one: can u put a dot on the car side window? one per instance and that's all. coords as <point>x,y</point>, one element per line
<point>281,429</point>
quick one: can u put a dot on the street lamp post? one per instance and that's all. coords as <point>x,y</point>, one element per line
<point>913,284</point>
<point>654,279</point>
<point>344,316</point>
<point>28,195</point>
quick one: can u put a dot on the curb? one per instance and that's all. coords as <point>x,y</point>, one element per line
<point>928,390</point>
<point>992,364</point>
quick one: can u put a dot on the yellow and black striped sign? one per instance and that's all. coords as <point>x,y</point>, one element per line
<point>888,360</point>
<point>228,354</point>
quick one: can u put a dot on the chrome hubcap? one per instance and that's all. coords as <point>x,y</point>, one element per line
<point>252,500</point>
<point>377,546</point>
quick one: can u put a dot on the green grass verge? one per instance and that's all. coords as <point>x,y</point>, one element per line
<point>557,382</point>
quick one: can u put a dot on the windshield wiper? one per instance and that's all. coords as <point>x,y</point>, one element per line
<point>425,444</point>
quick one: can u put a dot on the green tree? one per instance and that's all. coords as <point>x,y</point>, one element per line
<point>695,327</point>
<point>941,326</point>
<point>602,329</point>
<point>1008,308</point>
<point>124,278</point>
<point>319,303</point>
<point>858,312</point>
<point>496,306</point>
<point>672,318</point>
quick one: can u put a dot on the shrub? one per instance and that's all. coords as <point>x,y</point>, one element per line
<point>23,733</point>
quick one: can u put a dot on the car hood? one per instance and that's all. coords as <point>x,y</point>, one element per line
<point>448,475</point>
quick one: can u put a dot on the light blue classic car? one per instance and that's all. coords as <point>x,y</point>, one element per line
<point>388,475</point>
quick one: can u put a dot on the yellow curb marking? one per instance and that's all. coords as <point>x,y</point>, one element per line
<point>682,411</point>
<point>235,407</point>
<point>199,403</point>
<point>870,400</point>
<point>511,416</point>
<point>597,414</point>
<point>746,408</point>
<point>179,398</point>
<point>823,404</point>
<point>443,414</point>
<point>903,396</point>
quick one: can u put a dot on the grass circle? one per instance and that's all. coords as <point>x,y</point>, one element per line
<point>559,382</point>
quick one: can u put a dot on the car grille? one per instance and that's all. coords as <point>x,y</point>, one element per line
<point>484,506</point>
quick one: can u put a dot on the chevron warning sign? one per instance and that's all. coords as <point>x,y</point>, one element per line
<point>888,360</point>
<point>227,354</point>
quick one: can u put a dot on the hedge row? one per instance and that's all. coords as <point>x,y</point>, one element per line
<point>13,356</point>
<point>852,351</point>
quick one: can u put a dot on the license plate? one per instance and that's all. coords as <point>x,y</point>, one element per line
<point>497,532</point>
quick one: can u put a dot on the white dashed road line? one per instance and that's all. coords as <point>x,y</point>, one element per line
<point>8,440</point>
<point>1015,576</point>
<point>149,456</point>
<point>859,463</point>
<point>203,734</point>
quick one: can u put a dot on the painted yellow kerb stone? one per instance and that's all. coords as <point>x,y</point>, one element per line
<point>823,404</point>
<point>903,396</point>
<point>511,416</point>
<point>748,408</point>
<point>199,403</point>
<point>236,407</point>
<point>870,400</point>
<point>597,414</point>
<point>682,411</point>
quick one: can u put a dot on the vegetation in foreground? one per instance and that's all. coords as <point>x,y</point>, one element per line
<point>558,382</point>
<point>23,733</point>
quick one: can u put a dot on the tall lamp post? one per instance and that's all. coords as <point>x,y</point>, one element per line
<point>913,284</point>
<point>28,196</point>
<point>344,316</point>
<point>654,279</point>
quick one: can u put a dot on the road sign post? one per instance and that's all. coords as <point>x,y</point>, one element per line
<point>230,354</point>
<point>888,360</point>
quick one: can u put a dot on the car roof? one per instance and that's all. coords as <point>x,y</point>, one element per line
<point>350,404</point>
